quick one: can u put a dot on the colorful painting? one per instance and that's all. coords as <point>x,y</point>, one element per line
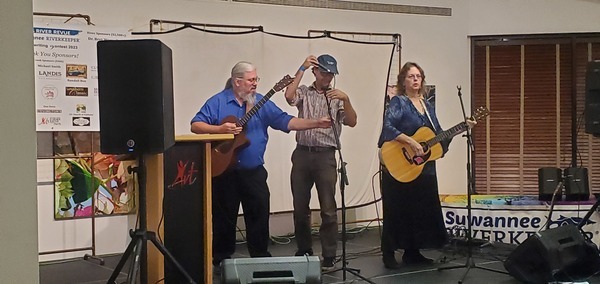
<point>88,182</point>
<point>101,180</point>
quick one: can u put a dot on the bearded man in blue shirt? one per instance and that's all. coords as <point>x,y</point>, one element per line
<point>246,183</point>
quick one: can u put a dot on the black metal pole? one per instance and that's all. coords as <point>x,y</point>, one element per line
<point>343,183</point>
<point>141,172</point>
<point>470,263</point>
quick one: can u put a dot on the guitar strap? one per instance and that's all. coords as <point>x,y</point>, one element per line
<point>427,113</point>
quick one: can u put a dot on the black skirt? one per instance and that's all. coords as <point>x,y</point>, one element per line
<point>412,213</point>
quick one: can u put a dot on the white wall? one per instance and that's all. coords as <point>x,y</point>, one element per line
<point>18,207</point>
<point>528,17</point>
<point>439,44</point>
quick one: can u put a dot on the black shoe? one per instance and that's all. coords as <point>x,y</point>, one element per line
<point>328,263</point>
<point>389,261</point>
<point>308,252</point>
<point>415,257</point>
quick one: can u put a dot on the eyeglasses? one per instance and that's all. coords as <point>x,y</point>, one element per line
<point>251,80</point>
<point>413,76</point>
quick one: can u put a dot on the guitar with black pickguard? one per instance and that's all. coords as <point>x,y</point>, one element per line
<point>401,161</point>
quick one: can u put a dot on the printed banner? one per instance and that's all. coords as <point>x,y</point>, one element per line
<point>66,77</point>
<point>513,224</point>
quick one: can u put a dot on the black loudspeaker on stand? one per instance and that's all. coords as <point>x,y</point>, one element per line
<point>470,263</point>
<point>576,184</point>
<point>135,83</point>
<point>548,180</point>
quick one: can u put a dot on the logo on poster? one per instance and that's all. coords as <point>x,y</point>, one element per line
<point>81,121</point>
<point>49,74</point>
<point>76,91</point>
<point>49,92</point>
<point>564,221</point>
<point>80,108</point>
<point>49,121</point>
<point>49,111</point>
<point>76,71</point>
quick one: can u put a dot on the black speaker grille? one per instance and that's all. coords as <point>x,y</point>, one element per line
<point>576,184</point>
<point>135,84</point>
<point>548,180</point>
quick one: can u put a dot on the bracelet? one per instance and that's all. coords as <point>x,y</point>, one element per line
<point>302,68</point>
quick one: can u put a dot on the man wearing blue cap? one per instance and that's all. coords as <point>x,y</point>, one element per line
<point>313,160</point>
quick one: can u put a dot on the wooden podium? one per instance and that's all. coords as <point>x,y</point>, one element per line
<point>179,192</point>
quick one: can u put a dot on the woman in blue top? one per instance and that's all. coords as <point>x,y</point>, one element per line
<point>412,214</point>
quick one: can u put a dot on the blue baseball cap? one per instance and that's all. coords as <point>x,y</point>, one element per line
<point>328,63</point>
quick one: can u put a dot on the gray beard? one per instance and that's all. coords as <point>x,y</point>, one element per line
<point>249,98</point>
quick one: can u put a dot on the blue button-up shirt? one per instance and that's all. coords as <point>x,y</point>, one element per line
<point>224,104</point>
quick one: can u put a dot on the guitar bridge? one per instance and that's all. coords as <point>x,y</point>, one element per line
<point>413,160</point>
<point>418,160</point>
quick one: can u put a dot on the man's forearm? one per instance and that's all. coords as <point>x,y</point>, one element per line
<point>302,124</point>
<point>199,127</point>
<point>350,117</point>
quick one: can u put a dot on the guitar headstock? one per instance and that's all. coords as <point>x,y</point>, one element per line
<point>480,113</point>
<point>284,82</point>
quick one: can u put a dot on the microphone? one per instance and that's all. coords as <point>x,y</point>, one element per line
<point>459,93</point>
<point>323,67</point>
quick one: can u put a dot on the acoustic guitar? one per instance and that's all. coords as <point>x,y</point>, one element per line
<point>224,153</point>
<point>401,161</point>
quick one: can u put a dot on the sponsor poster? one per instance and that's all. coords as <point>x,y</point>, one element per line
<point>66,82</point>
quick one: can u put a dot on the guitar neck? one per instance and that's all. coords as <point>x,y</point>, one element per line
<point>455,130</point>
<point>242,121</point>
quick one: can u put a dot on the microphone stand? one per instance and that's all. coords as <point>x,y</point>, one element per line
<point>470,263</point>
<point>343,183</point>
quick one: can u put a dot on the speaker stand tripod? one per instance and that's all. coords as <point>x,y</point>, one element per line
<point>470,263</point>
<point>343,183</point>
<point>138,245</point>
